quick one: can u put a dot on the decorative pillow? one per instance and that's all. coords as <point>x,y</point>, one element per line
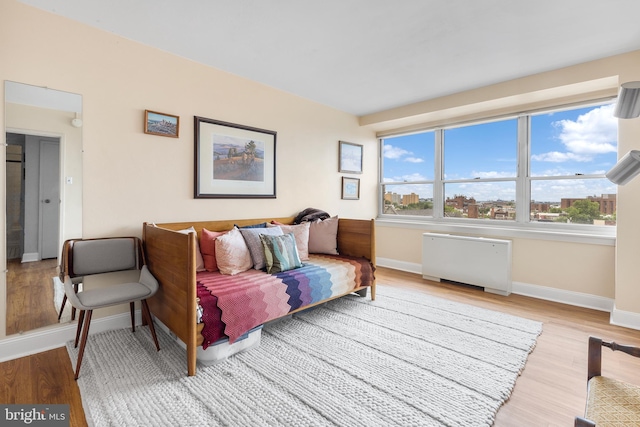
<point>301,233</point>
<point>208,248</point>
<point>232,254</point>
<point>252,239</point>
<point>323,236</point>
<point>280,252</point>
<point>260,225</point>
<point>199,259</point>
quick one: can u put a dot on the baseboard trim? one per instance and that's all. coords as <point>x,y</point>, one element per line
<point>577,299</point>
<point>31,257</point>
<point>535,291</point>
<point>33,342</point>
<point>409,267</point>
<point>625,319</point>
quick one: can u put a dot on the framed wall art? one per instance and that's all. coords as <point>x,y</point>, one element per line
<point>161,124</point>
<point>350,188</point>
<point>233,161</point>
<point>350,157</point>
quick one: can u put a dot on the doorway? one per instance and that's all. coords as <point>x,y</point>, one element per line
<point>33,197</point>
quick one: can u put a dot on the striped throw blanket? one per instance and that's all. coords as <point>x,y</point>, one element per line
<point>233,305</point>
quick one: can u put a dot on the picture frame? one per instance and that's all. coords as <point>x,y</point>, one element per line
<point>350,188</point>
<point>161,124</point>
<point>350,157</point>
<point>233,161</point>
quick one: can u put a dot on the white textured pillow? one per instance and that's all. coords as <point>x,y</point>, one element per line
<point>301,234</point>
<point>252,239</point>
<point>323,236</point>
<point>199,259</point>
<point>232,254</point>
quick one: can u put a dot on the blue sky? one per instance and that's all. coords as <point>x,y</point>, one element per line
<point>579,141</point>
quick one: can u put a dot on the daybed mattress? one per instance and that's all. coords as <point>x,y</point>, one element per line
<point>233,305</point>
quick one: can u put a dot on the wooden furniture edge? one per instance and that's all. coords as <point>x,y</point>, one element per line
<point>171,259</point>
<point>357,237</point>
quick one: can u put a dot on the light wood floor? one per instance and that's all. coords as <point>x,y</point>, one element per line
<point>550,392</point>
<point>30,295</point>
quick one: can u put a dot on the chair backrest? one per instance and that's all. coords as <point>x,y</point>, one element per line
<point>83,257</point>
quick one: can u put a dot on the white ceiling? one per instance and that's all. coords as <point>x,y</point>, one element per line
<point>365,56</point>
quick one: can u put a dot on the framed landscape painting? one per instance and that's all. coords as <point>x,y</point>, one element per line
<point>161,124</point>
<point>233,161</point>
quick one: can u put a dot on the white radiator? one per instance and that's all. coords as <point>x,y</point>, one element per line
<point>472,260</point>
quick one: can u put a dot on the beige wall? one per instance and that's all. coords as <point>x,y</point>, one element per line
<point>130,177</point>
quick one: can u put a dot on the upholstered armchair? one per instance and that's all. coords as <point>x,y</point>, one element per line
<point>98,256</point>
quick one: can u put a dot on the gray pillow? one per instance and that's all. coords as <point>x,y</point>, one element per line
<point>252,239</point>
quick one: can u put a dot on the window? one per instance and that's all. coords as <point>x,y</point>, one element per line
<point>408,174</point>
<point>480,170</point>
<point>571,150</point>
<point>542,167</point>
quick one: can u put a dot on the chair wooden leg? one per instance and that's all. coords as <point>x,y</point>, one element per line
<point>73,309</point>
<point>64,301</point>
<point>83,343</point>
<point>146,313</point>
<point>80,320</point>
<point>133,316</point>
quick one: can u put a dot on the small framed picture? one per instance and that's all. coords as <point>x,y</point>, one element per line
<point>350,158</point>
<point>161,124</point>
<point>350,188</point>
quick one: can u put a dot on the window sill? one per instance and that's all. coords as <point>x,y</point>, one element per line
<point>589,234</point>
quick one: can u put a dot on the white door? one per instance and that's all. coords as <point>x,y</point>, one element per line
<point>49,199</point>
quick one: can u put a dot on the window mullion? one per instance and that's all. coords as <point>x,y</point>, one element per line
<point>523,188</point>
<point>380,176</point>
<point>438,187</point>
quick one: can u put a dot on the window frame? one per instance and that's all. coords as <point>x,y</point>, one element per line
<point>521,226</point>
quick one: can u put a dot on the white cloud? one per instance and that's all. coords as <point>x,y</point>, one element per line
<point>483,191</point>
<point>554,191</point>
<point>592,133</point>
<point>391,152</point>
<point>558,157</point>
<point>492,174</point>
<point>413,160</point>
<point>413,177</point>
<point>397,153</point>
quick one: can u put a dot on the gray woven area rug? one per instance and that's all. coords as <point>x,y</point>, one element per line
<point>406,359</point>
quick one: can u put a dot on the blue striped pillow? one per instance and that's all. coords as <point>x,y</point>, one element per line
<point>280,252</point>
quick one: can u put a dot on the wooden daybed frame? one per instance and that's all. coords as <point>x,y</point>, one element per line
<point>171,257</point>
